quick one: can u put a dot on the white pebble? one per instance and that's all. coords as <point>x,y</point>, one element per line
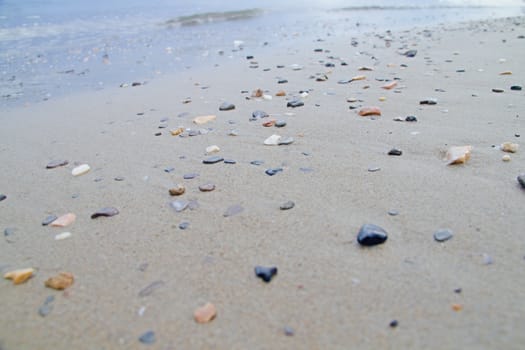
<point>505,158</point>
<point>62,236</point>
<point>80,170</point>
<point>212,149</point>
<point>272,140</point>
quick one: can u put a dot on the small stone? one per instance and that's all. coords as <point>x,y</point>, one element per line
<point>458,290</point>
<point>213,160</point>
<point>505,158</point>
<point>288,331</point>
<point>205,313</point>
<point>393,212</point>
<point>521,180</point>
<point>184,225</point>
<point>370,235</point>
<point>516,88</point>
<point>287,205</point>
<point>487,259</point>
<point>411,118</point>
<point>369,111</point>
<point>286,141</point>
<point>212,149</point>
<point>62,236</point>
<point>207,187</point>
<point>19,276</point>
<point>429,101</point>
<point>2,197</point>
<point>280,124</point>
<point>395,152</point>
<point>177,190</point>
<point>49,219</point>
<point>56,163</point>
<point>265,273</point>
<point>269,123</point>
<point>107,212</point>
<point>498,91</point>
<point>158,134</point>
<point>443,235</point>
<point>273,171</point>
<point>229,161</point>
<point>272,140</point>
<point>258,114</point>
<point>282,81</point>
<point>458,154</point>
<point>150,288</point>
<point>179,205</point>
<point>280,93</point>
<point>374,169</point>
<point>204,119</point>
<point>176,132</point>
<point>60,282</point>
<point>9,231</point>
<point>457,307</point>
<point>233,210</point>
<point>410,53</point>
<point>190,176</point>
<point>64,220</point>
<point>119,178</point>
<point>47,306</point>
<point>148,338</point>
<point>295,103</point>
<point>390,85</point>
<point>80,170</point>
<point>509,147</point>
<point>226,106</point>
<point>393,324</point>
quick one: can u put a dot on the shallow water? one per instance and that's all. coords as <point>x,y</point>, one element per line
<point>55,47</point>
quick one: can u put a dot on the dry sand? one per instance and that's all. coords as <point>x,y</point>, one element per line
<point>333,293</point>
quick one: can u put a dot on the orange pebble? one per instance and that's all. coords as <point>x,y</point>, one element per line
<point>368,111</point>
<point>457,307</point>
<point>390,85</point>
<point>205,313</point>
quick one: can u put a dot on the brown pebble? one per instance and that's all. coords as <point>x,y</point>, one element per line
<point>177,190</point>
<point>64,220</point>
<point>390,86</point>
<point>177,131</point>
<point>207,187</point>
<point>19,276</point>
<point>205,314</point>
<point>257,93</point>
<point>280,93</point>
<point>368,111</point>
<point>61,281</point>
<point>457,307</point>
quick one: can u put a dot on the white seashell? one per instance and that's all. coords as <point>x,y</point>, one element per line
<point>458,154</point>
<point>80,170</point>
<point>62,236</point>
<point>272,140</point>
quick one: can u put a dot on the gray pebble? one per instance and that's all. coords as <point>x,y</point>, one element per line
<point>393,212</point>
<point>287,205</point>
<point>49,220</point>
<point>147,338</point>
<point>374,169</point>
<point>207,187</point>
<point>119,178</point>
<point>190,176</point>
<point>2,197</point>
<point>9,231</point>
<point>280,123</point>
<point>230,161</point>
<point>107,212</point>
<point>257,162</point>
<point>233,210</point>
<point>443,235</point>
<point>288,331</point>
<point>150,288</point>
<point>184,225</point>
<point>46,308</point>
<point>213,160</point>
<point>226,106</point>
<point>286,141</point>
<point>521,180</point>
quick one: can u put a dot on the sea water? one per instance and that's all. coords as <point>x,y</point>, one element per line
<point>49,48</point>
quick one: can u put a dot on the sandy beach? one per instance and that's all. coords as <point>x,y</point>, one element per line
<point>330,292</point>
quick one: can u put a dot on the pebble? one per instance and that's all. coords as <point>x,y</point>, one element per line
<point>411,118</point>
<point>410,53</point>
<point>226,106</point>
<point>487,259</point>
<point>272,140</point>
<point>233,210</point>
<point>204,119</point>
<point>212,149</point>
<point>119,178</point>
<point>443,235</point>
<point>295,103</point>
<point>370,235</point>
<point>205,313</point>
<point>230,161</point>
<point>148,338</point>
<point>280,124</point>
<point>393,212</point>
<point>9,231</point>
<point>47,306</point>
<point>287,205</point>
<point>509,147</point>
<point>179,205</point>
<point>458,154</point>
<point>176,132</point>
<point>106,211</point>
<point>150,288</point>
<point>213,160</point>
<point>265,273</point>
<point>429,101</point>
<point>56,163</point>
<point>61,281</point>
<point>64,220</point>
<point>369,111</point>
<point>257,162</point>
<point>207,187</point>
<point>389,86</point>
<point>280,93</point>
<point>282,81</point>
<point>286,141</point>
<point>516,88</point>
<point>505,158</point>
<point>190,176</point>
<point>2,197</point>
<point>19,276</point>
<point>258,114</point>
<point>521,180</point>
<point>288,331</point>
<point>269,123</point>
<point>80,170</point>
<point>62,236</point>
<point>177,190</point>
<point>498,91</point>
<point>273,171</point>
<point>395,152</point>
<point>49,219</point>
<point>374,169</point>
<point>184,225</point>
<point>457,307</point>
<point>393,324</point>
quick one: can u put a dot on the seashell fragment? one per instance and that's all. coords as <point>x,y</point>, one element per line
<point>458,154</point>
<point>280,93</point>
<point>205,313</point>
<point>61,281</point>
<point>19,276</point>
<point>62,236</point>
<point>272,140</point>
<point>358,77</point>
<point>80,170</point>
<point>509,147</point>
<point>107,211</point>
<point>177,131</point>
<point>389,85</point>
<point>368,111</point>
<point>64,220</point>
<point>204,119</point>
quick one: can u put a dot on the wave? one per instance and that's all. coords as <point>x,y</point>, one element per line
<point>211,17</point>
<point>418,7</point>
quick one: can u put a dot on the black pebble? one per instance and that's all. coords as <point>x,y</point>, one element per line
<point>411,53</point>
<point>2,197</point>
<point>498,91</point>
<point>295,103</point>
<point>282,81</point>
<point>265,273</point>
<point>257,162</point>
<point>521,180</point>
<point>371,234</point>
<point>226,106</point>
<point>516,88</point>
<point>411,118</point>
<point>147,338</point>
<point>428,102</point>
<point>213,160</point>
<point>273,171</point>
<point>394,323</point>
<point>395,152</point>
<point>249,57</point>
<point>49,220</point>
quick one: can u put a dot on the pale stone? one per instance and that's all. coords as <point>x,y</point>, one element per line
<point>64,220</point>
<point>272,140</point>
<point>80,170</point>
<point>212,149</point>
<point>205,314</point>
<point>62,236</point>
<point>458,154</point>
<point>204,119</point>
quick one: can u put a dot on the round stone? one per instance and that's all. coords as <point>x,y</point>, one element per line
<point>226,106</point>
<point>287,205</point>
<point>207,187</point>
<point>280,124</point>
<point>184,225</point>
<point>177,190</point>
<point>370,235</point>
<point>443,235</point>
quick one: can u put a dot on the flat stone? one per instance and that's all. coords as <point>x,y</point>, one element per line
<point>287,205</point>
<point>516,88</point>
<point>395,152</point>
<point>410,53</point>
<point>226,106</point>
<point>56,163</point>
<point>80,170</point>
<point>286,141</point>
<point>370,235</point>
<point>411,118</point>
<point>443,235</point>
<point>393,212</point>
<point>119,178</point>
<point>207,187</point>
<point>233,210</point>
<point>213,160</point>
<point>521,180</point>
<point>49,219</point>
<point>179,205</point>
<point>369,111</point>
<point>106,211</point>
<point>295,103</point>
<point>273,171</point>
<point>282,81</point>
<point>272,140</point>
<point>64,220</point>
<point>288,331</point>
<point>212,149</point>
<point>62,236</point>
<point>257,162</point>
<point>9,231</point>
<point>150,288</point>
<point>498,91</point>
<point>2,197</point>
<point>184,225</point>
<point>265,273</point>
<point>204,119</point>
<point>148,338</point>
<point>374,169</point>
<point>280,124</point>
<point>429,101</point>
<point>61,281</point>
<point>230,161</point>
<point>190,176</point>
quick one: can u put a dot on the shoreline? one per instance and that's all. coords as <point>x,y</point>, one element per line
<point>330,291</point>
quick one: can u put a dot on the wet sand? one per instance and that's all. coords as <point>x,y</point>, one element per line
<point>333,293</point>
